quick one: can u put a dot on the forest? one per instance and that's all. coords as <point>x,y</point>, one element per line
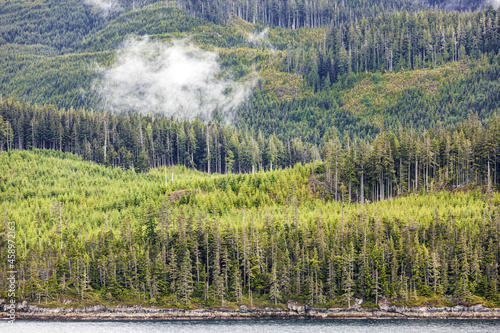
<point>357,76</point>
<point>364,162</point>
<point>393,163</point>
<point>92,234</point>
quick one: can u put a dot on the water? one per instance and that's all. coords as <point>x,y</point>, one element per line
<point>256,326</point>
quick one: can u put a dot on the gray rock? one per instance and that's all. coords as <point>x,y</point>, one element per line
<point>479,308</point>
<point>292,305</point>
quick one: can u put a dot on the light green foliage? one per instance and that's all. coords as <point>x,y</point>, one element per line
<point>353,101</point>
<point>263,229</point>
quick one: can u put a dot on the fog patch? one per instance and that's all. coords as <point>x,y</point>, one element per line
<point>461,5</point>
<point>176,79</point>
<point>104,6</point>
<point>260,39</point>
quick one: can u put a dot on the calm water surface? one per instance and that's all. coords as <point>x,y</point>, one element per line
<point>254,326</point>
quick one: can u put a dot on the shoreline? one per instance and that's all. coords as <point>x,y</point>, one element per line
<point>137,312</point>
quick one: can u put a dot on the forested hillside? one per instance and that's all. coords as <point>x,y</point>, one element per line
<point>200,153</point>
<point>312,82</point>
<point>176,237</point>
<point>393,163</point>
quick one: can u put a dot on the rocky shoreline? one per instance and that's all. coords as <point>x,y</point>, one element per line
<point>292,311</point>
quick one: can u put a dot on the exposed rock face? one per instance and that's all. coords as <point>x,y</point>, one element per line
<point>357,303</point>
<point>293,310</point>
<point>300,309</point>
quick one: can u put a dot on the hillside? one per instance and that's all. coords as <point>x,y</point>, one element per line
<point>300,83</point>
<point>96,235</point>
<point>210,154</point>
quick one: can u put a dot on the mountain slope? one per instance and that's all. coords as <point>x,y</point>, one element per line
<point>307,83</point>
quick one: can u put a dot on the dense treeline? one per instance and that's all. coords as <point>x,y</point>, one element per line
<point>290,14</point>
<point>62,25</point>
<point>66,25</point>
<point>310,118</point>
<point>393,163</point>
<point>321,233</point>
<point>298,13</point>
<point>140,142</point>
<point>477,92</point>
<point>407,41</point>
<point>420,99</point>
<point>146,243</point>
<point>148,21</point>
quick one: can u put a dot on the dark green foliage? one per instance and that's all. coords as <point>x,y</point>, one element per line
<point>142,22</point>
<point>394,162</point>
<point>309,118</point>
<point>60,24</point>
<point>325,66</point>
<point>294,14</point>
<point>404,41</point>
<point>141,142</point>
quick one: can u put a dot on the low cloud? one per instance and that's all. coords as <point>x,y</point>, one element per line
<point>176,79</point>
<point>104,6</point>
<point>260,38</point>
<point>462,4</point>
